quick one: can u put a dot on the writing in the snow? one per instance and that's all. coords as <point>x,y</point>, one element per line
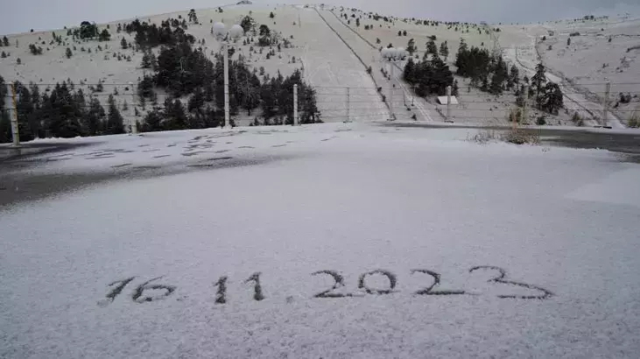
<point>433,282</point>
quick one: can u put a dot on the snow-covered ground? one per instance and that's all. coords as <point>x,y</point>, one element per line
<point>346,199</point>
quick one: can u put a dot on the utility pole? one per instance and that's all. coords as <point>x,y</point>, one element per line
<point>15,132</point>
<point>348,105</point>
<point>295,105</point>
<point>448,104</point>
<point>391,86</point>
<point>134,123</point>
<point>605,104</point>
<point>524,106</point>
<point>225,50</point>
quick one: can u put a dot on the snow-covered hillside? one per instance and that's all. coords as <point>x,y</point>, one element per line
<point>334,54</point>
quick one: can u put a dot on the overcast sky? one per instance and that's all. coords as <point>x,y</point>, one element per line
<point>22,15</point>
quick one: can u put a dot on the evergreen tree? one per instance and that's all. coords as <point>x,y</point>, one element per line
<point>411,47</point>
<point>146,60</point>
<point>5,40</point>
<point>93,122</point>
<point>68,53</point>
<point>432,49</point>
<point>444,50</point>
<point>196,102</point>
<point>104,35</point>
<point>264,30</point>
<point>123,44</point>
<point>552,99</point>
<point>5,122</point>
<point>192,16</point>
<point>538,80</point>
<point>152,121</point>
<point>568,41</point>
<point>115,122</point>
<point>60,113</point>
<point>409,72</point>
<point>176,118</point>
<point>514,77</point>
<point>247,23</point>
<point>500,76</point>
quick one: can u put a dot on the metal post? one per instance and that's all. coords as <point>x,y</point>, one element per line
<point>134,124</point>
<point>448,104</point>
<point>413,95</point>
<point>225,50</point>
<point>15,132</point>
<point>393,114</point>
<point>524,106</point>
<point>295,105</point>
<point>605,105</point>
<point>348,105</point>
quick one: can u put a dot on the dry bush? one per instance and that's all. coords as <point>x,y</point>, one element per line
<point>484,137</point>
<point>521,137</point>
<point>515,115</point>
<point>634,121</point>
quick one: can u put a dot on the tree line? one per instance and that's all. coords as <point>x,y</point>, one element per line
<point>184,72</point>
<point>60,111</point>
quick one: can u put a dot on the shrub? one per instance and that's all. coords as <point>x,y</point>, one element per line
<point>521,137</point>
<point>634,121</point>
<point>541,121</point>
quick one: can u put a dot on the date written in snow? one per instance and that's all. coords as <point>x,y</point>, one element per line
<point>161,291</point>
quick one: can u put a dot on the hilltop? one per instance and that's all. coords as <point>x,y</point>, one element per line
<point>337,53</point>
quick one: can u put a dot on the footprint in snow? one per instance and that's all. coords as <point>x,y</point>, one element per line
<point>122,165</point>
<point>191,153</point>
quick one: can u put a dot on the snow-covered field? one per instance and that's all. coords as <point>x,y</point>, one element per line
<point>233,248</point>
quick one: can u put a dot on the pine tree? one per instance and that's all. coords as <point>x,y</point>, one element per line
<point>500,76</point>
<point>93,121</point>
<point>568,41</point>
<point>5,40</point>
<point>104,35</point>
<point>146,60</point>
<point>514,77</point>
<point>115,122</point>
<point>123,44</point>
<point>176,118</point>
<point>552,99</point>
<point>152,121</point>
<point>431,48</point>
<point>538,80</point>
<point>68,53</point>
<point>409,74</point>
<point>444,50</point>
<point>411,47</point>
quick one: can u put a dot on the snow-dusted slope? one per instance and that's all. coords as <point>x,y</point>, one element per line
<point>327,63</point>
